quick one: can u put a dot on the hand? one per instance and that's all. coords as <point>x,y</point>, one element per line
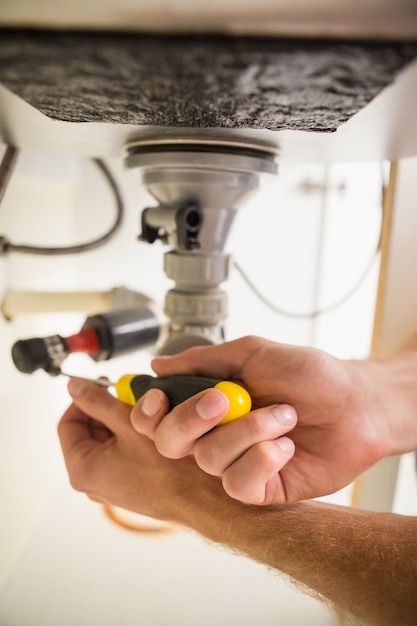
<point>111,463</point>
<point>341,429</point>
<point>370,575</point>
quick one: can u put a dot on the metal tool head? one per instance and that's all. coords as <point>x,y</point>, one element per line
<point>102,382</point>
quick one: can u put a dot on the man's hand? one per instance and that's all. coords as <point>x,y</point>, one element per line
<point>111,463</point>
<point>247,453</point>
<point>317,423</point>
<point>348,412</point>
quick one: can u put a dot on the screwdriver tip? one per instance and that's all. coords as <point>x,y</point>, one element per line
<point>103,382</point>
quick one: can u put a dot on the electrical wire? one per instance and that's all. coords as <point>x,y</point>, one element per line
<point>311,315</point>
<point>8,246</point>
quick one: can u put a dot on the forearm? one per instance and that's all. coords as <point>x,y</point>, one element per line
<point>363,562</point>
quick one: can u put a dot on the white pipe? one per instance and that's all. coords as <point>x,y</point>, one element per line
<point>28,302</point>
<point>90,302</point>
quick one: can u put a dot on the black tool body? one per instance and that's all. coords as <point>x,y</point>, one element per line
<point>177,387</point>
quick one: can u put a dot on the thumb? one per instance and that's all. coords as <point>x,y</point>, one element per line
<point>96,402</point>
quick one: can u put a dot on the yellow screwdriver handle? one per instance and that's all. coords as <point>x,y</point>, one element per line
<point>131,387</point>
<point>124,390</point>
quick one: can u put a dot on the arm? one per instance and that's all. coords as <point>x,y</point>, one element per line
<point>336,418</point>
<point>363,562</point>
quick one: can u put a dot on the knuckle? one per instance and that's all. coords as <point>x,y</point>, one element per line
<point>95,498</point>
<point>78,482</point>
<point>164,448</point>
<point>177,433</point>
<point>182,423</point>
<point>253,343</point>
<point>207,457</point>
<point>92,395</point>
<point>261,425</point>
<point>168,446</point>
<point>96,401</point>
<point>249,485</point>
<point>267,456</point>
<point>233,485</point>
<point>250,492</point>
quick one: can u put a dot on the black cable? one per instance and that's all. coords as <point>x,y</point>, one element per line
<point>316,312</point>
<point>331,307</point>
<point>8,246</point>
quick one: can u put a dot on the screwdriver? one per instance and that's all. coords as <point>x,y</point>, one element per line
<point>131,387</point>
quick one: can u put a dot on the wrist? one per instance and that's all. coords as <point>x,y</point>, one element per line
<point>203,506</point>
<point>393,383</point>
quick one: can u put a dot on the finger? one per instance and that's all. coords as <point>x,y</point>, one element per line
<point>226,360</point>
<point>76,441</point>
<point>223,446</point>
<point>149,411</point>
<point>96,402</point>
<point>177,433</point>
<point>73,427</point>
<point>254,478</point>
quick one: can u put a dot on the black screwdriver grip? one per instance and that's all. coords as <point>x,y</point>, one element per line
<point>177,387</point>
